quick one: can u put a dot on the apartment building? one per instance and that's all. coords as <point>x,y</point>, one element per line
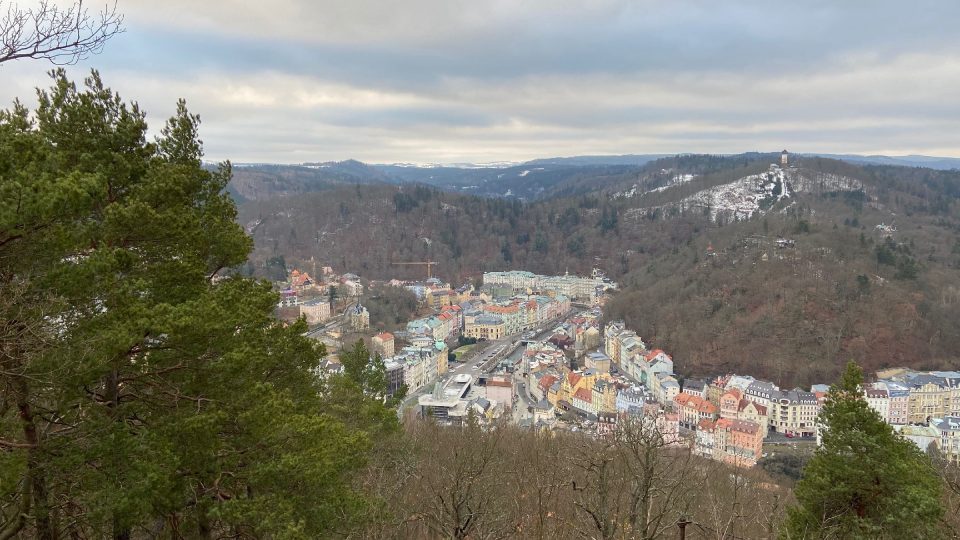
<point>794,412</point>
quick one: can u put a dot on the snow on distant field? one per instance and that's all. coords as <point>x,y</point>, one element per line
<point>524,173</point>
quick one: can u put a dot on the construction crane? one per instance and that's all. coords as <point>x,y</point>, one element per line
<point>428,264</point>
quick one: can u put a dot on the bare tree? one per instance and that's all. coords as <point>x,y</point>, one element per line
<point>461,482</point>
<point>737,502</point>
<point>541,499</point>
<point>63,36</point>
<point>598,488</point>
<point>660,477</point>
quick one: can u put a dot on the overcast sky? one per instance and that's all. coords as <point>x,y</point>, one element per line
<point>290,81</point>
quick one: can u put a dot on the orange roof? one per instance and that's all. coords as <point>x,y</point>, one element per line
<point>654,353</point>
<point>706,407</point>
<point>735,391</point>
<point>495,382</point>
<point>689,400</point>
<point>705,425</point>
<point>584,394</point>
<point>547,381</point>
<point>573,378</point>
<point>744,426</point>
<point>723,423</point>
<point>385,336</point>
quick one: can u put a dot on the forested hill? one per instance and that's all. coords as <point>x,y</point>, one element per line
<point>693,240</point>
<point>522,182</point>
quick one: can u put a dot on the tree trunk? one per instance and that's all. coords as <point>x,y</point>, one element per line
<point>38,482</point>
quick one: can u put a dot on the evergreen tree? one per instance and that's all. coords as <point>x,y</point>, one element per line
<point>142,389</point>
<point>866,481</point>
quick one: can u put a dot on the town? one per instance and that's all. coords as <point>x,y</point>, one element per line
<point>531,350</point>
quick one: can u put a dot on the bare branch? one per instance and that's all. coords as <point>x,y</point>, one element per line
<point>64,36</point>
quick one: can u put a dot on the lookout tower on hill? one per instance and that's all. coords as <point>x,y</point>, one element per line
<point>784,158</point>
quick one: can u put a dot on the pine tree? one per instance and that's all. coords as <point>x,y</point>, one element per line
<point>141,386</point>
<point>866,481</point>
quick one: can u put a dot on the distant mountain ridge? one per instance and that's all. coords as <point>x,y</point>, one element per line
<point>528,181</point>
<point>930,162</point>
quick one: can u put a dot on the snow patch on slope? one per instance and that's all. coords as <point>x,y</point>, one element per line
<point>757,193</point>
<point>635,189</point>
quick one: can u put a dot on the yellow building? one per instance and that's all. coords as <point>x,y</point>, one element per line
<point>442,357</point>
<point>928,399</point>
<point>604,396</point>
<point>486,327</point>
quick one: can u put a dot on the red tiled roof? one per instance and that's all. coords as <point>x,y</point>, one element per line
<point>706,425</point>
<point>547,381</point>
<point>574,378</point>
<point>385,336</point>
<point>744,426</point>
<point>584,394</point>
<point>735,391</point>
<point>502,384</point>
<point>706,407</point>
<point>654,353</point>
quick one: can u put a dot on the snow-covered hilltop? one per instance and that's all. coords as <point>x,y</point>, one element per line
<point>758,193</point>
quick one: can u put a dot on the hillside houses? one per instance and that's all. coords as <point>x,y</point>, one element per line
<point>729,417</point>
<point>304,295</point>
<point>693,409</point>
<point>735,442</point>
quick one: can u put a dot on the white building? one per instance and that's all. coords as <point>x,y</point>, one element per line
<point>879,400</point>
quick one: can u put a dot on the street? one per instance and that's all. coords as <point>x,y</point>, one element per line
<point>484,360</point>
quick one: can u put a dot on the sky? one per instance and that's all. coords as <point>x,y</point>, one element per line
<point>450,81</point>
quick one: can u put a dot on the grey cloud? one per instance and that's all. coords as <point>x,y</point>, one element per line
<point>458,81</point>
